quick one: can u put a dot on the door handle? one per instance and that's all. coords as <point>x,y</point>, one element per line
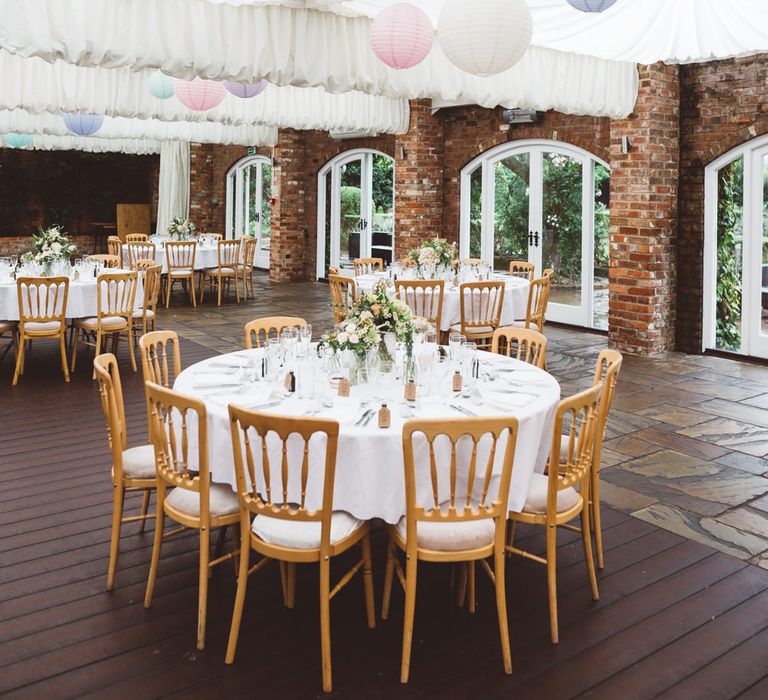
<point>257,217</point>
<point>530,238</point>
<point>536,239</point>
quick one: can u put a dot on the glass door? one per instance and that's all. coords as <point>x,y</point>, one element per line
<point>249,210</point>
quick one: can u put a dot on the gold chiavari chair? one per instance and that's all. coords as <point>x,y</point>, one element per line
<point>459,518</point>
<point>133,468</point>
<point>270,326</point>
<point>472,262</point>
<point>180,265</point>
<point>194,501</point>
<point>423,297</point>
<point>115,296</point>
<point>343,295</point>
<point>160,361</point>
<point>552,500</point>
<point>9,337</point>
<point>365,266</point>
<point>42,314</point>
<point>285,527</point>
<point>136,238</point>
<point>521,343</point>
<point>226,270</point>
<point>111,261</point>
<point>548,272</point>
<point>536,310</point>
<point>333,270</point>
<point>522,269</point>
<point>115,246</point>
<point>213,236</point>
<point>248,247</point>
<point>134,252</point>
<point>144,319</point>
<point>480,304</point>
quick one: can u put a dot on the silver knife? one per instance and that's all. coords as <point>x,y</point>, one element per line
<point>463,410</point>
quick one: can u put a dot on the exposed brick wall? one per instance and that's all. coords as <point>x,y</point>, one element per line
<point>644,216</point>
<point>17,245</point>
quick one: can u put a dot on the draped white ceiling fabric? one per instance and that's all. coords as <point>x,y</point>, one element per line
<point>43,142</point>
<point>173,188</point>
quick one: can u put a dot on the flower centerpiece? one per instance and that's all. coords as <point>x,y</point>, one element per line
<point>49,246</point>
<point>180,229</point>
<point>434,258</point>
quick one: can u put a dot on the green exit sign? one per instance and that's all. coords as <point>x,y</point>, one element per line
<point>252,150</point>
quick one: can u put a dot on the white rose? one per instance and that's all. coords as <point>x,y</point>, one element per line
<point>350,328</point>
<point>354,339</point>
<point>342,337</point>
<point>56,247</point>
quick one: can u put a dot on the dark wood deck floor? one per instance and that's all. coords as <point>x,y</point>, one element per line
<point>675,618</point>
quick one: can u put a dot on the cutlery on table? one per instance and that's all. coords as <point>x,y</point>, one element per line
<point>364,416</point>
<point>463,410</point>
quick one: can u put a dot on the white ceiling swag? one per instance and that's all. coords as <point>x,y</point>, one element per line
<point>43,142</point>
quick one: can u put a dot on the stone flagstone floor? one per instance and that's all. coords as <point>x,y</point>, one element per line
<point>687,439</point>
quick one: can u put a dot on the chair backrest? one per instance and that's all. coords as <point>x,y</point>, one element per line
<point>249,246</point>
<point>606,371</point>
<point>174,417</point>
<point>151,281</point>
<point>333,270</point>
<point>481,304</point>
<point>116,293</point>
<point>458,463</point>
<point>523,344</point>
<point>576,424</point>
<point>180,255</point>
<point>114,245</point>
<point>365,266</point>
<point>156,349</point>
<point>145,264</point>
<point>423,297</point>
<point>138,251</point>
<point>136,237</point>
<point>276,457</point>
<point>229,253</point>
<point>269,326</point>
<point>472,262</point>
<point>215,236</point>
<point>523,269</point>
<point>538,299</point>
<point>111,394</point>
<point>548,272</point>
<point>343,295</point>
<point>112,261</point>
<point>42,299</point>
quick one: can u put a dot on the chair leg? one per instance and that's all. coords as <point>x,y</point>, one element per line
<point>168,291</point>
<point>218,286</point>
<point>114,543</point>
<point>202,605</point>
<point>368,582</point>
<point>587,542</point>
<point>242,585</point>
<point>237,289</point>
<point>98,351</point>
<point>290,571</point>
<point>388,576</point>
<point>461,593</point>
<point>499,560</point>
<point>596,518</point>
<point>511,535</point>
<point>471,586</point>
<point>552,582</point>
<point>130,349</point>
<point>64,363</point>
<point>284,581</point>
<point>19,361</point>
<point>75,344</point>
<point>156,546</point>
<point>410,609</point>
<point>325,624</point>
<point>144,507</point>
<point>192,290</point>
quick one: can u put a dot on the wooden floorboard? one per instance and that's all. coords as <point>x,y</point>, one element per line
<point>674,617</point>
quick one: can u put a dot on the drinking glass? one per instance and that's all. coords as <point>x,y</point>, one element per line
<point>425,357</point>
<point>455,341</point>
<point>273,354</point>
<point>305,339</point>
<point>289,338</point>
<point>469,361</point>
<point>305,377</point>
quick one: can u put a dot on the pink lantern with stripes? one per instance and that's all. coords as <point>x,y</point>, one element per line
<point>198,94</point>
<point>402,35</point>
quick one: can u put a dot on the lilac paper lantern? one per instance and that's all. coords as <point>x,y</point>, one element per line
<point>591,5</point>
<point>402,35</point>
<point>245,90</point>
<point>13,140</point>
<point>198,94</point>
<point>83,124</point>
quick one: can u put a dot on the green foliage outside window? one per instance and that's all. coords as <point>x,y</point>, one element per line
<point>730,198</point>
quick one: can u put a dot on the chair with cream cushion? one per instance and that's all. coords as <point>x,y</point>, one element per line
<point>456,510</point>
<point>42,314</point>
<point>536,310</point>
<point>557,498</point>
<point>225,272</point>
<point>343,295</point>
<point>366,266</point>
<point>267,327</point>
<point>423,297</point>
<point>136,237</point>
<point>140,250</point>
<point>144,319</point>
<point>133,468</point>
<point>180,266</point>
<point>110,261</point>
<point>248,247</point>
<point>481,304</point>
<point>293,524</point>
<point>115,246</point>
<point>194,501</point>
<point>522,269</point>
<point>521,343</point>
<point>160,361</point>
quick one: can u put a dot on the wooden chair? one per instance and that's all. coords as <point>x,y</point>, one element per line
<point>136,238</point>
<point>269,326</point>
<point>115,296</point>
<point>246,268</point>
<point>343,295</point>
<point>144,319</point>
<point>447,521</point>
<point>180,266</point>
<point>194,501</point>
<point>423,297</point>
<point>548,272</point>
<point>138,251</point>
<point>521,343</point>
<point>480,304</point>
<point>365,266</point>
<point>225,272</point>
<point>9,331</point>
<point>286,527</point>
<point>333,270</point>
<point>157,348</point>
<point>43,314</point>
<point>536,310</point>
<point>115,246</point>
<point>133,468</point>
<point>111,261</point>
<point>213,236</point>
<point>472,262</point>
<point>522,269</point>
<point>553,501</point>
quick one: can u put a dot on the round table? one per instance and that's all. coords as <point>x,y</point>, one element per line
<point>81,301</point>
<point>513,307</point>
<point>369,468</point>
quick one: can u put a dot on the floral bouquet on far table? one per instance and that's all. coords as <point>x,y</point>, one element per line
<point>181,229</point>
<point>433,257</point>
<point>49,246</point>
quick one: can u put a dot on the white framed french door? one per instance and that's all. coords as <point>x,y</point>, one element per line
<point>249,187</point>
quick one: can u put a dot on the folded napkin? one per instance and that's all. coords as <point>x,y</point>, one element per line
<point>252,396</point>
<point>507,401</point>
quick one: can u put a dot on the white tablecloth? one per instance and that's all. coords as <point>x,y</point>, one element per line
<point>205,256</point>
<point>513,308</point>
<point>369,473</point>
<point>81,301</point>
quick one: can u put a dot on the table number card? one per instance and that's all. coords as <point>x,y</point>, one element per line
<point>343,387</point>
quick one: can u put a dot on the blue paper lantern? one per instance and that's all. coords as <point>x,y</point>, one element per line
<point>83,124</point>
<point>13,140</point>
<point>591,5</point>
<point>160,85</point>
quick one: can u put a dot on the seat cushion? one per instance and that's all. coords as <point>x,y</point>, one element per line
<point>451,536</point>
<point>480,330</point>
<point>303,534</point>
<point>139,462</point>
<point>140,313</point>
<point>110,322</point>
<point>521,324</point>
<point>536,501</point>
<point>214,271</point>
<point>43,327</point>
<point>223,501</point>
<point>182,272</point>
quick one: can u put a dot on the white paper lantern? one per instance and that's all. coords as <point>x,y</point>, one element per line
<point>485,37</point>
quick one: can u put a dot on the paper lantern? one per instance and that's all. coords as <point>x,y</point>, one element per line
<point>245,90</point>
<point>198,94</point>
<point>402,35</point>
<point>485,37</point>
<point>591,5</point>
<point>160,85</point>
<point>13,140</point>
<point>83,124</point>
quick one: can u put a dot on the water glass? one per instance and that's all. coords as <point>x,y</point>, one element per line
<point>305,338</point>
<point>273,355</point>
<point>305,378</point>
<point>469,362</point>
<point>455,341</point>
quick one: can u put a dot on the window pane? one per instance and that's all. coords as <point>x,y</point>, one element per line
<point>382,235</point>
<point>266,205</point>
<point>475,212</point>
<point>253,204</point>
<point>510,224</point>
<point>351,212</point>
<point>602,234</point>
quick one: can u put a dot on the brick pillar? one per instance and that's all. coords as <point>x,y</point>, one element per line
<point>286,258</point>
<point>419,162</point>
<point>200,185</point>
<point>641,315</point>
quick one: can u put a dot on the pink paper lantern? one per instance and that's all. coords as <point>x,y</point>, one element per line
<point>198,94</point>
<point>402,35</point>
<point>245,90</point>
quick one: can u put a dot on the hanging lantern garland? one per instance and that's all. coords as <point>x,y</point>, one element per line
<point>591,5</point>
<point>485,37</point>
<point>245,90</point>
<point>13,140</point>
<point>198,94</point>
<point>160,85</point>
<point>83,124</point>
<point>402,35</point>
